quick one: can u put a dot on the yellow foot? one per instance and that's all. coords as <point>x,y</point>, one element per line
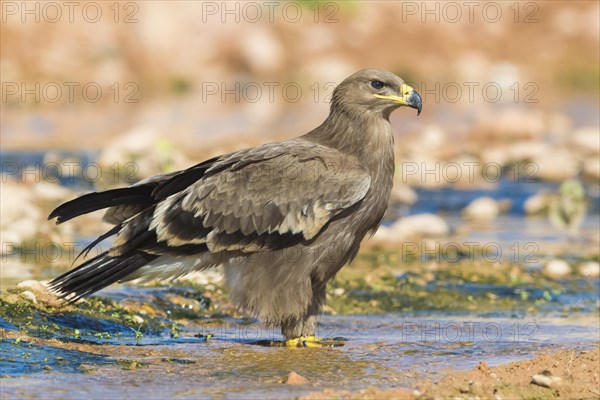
<point>303,341</point>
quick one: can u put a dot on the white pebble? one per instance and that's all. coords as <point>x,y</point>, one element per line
<point>590,268</point>
<point>29,296</point>
<point>544,380</point>
<point>557,268</point>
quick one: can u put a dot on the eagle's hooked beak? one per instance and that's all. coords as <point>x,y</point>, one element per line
<point>409,97</point>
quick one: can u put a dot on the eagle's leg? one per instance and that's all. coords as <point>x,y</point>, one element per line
<point>293,328</point>
<point>300,332</point>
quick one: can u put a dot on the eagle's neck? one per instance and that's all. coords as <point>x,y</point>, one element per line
<point>367,136</point>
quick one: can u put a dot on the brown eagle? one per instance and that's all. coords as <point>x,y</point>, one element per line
<point>282,218</point>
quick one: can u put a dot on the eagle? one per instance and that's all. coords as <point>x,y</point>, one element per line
<point>281,218</point>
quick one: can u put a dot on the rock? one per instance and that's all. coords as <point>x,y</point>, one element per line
<point>482,209</point>
<point>28,296</point>
<point>587,140</point>
<point>590,268</point>
<point>591,168</point>
<point>557,268</point>
<point>414,226</point>
<point>426,225</point>
<point>20,217</point>
<point>537,204</point>
<point>34,285</point>
<point>555,165</point>
<point>404,194</point>
<point>296,379</point>
<point>40,292</point>
<point>545,380</point>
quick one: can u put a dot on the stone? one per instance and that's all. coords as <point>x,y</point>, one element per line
<point>537,204</point>
<point>587,140</point>
<point>29,296</point>
<point>296,379</point>
<point>544,380</point>
<point>555,165</point>
<point>591,168</point>
<point>482,209</point>
<point>20,217</point>
<point>557,268</point>
<point>590,269</point>
<point>413,226</point>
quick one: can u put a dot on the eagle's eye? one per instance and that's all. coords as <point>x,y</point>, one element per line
<point>377,84</point>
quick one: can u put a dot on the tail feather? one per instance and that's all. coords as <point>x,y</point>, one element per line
<point>98,273</point>
<point>134,195</point>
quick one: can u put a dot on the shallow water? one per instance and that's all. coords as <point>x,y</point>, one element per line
<point>385,350</point>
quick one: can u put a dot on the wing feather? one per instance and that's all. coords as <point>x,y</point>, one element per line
<point>280,193</point>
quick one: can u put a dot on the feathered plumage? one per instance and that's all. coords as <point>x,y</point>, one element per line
<point>282,218</point>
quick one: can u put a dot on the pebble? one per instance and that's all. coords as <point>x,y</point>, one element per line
<point>537,204</point>
<point>556,165</point>
<point>557,268</point>
<point>419,225</point>
<point>296,379</point>
<point>21,217</point>
<point>586,139</point>
<point>544,380</point>
<point>482,209</point>
<point>590,268</point>
<point>29,296</point>
<point>591,168</point>
<point>36,286</point>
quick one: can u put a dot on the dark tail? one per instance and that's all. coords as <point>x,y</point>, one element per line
<point>134,195</point>
<point>143,193</point>
<point>98,273</point>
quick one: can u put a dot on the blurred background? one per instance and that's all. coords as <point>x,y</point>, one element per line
<point>98,95</point>
<point>494,219</point>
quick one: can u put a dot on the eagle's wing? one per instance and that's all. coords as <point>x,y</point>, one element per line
<point>268,197</point>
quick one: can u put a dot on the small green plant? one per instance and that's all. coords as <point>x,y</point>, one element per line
<point>138,335</point>
<point>175,330</point>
